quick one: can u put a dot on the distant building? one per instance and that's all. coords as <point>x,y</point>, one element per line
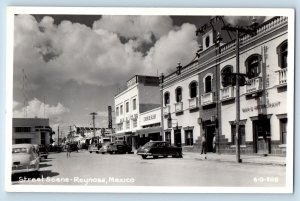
<point>142,95</point>
<point>31,130</point>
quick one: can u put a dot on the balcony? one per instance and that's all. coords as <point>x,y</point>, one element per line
<point>207,99</point>
<point>227,93</point>
<point>193,103</point>
<point>178,107</point>
<point>166,110</point>
<point>282,77</point>
<point>254,85</point>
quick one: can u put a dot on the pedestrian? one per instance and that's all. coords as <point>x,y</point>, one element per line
<point>214,143</point>
<point>68,148</point>
<point>203,143</point>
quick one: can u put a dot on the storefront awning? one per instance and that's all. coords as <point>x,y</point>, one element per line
<point>149,130</point>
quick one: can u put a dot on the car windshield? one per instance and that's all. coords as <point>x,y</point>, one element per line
<point>20,150</point>
<point>150,144</point>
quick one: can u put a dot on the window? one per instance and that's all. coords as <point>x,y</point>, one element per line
<point>208,84</point>
<point>22,129</point>
<point>117,111</point>
<point>193,89</point>
<point>167,98</point>
<point>127,107</point>
<point>134,123</point>
<point>253,64</point>
<point>282,51</point>
<point>242,134</point>
<point>226,75</point>
<point>283,129</point>
<point>188,137</point>
<point>23,140</point>
<point>178,93</point>
<point>121,109</point>
<point>134,104</point>
<point>207,41</point>
<point>127,124</point>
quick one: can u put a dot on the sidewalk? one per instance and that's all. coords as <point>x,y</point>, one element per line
<point>253,159</point>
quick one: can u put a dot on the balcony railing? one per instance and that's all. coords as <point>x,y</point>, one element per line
<point>207,99</point>
<point>166,110</point>
<point>193,103</point>
<point>282,76</point>
<point>227,93</point>
<point>178,107</point>
<point>254,85</point>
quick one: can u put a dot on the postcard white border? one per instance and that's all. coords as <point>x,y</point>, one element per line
<point>290,13</point>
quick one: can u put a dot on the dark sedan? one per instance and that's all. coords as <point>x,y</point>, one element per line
<point>159,148</point>
<point>119,147</point>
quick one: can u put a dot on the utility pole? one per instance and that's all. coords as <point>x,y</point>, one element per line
<point>93,116</point>
<point>57,135</point>
<point>162,106</point>
<point>238,75</point>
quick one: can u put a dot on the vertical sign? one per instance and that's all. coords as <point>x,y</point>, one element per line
<point>109,118</point>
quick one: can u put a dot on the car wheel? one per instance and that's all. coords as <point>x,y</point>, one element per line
<point>103,152</point>
<point>90,152</point>
<point>110,152</point>
<point>144,157</point>
<point>97,152</point>
<point>46,157</point>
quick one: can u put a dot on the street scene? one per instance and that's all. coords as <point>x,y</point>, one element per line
<point>83,168</point>
<point>151,100</point>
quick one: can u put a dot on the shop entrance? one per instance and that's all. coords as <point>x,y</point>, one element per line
<point>177,138</point>
<point>210,131</point>
<point>261,135</point>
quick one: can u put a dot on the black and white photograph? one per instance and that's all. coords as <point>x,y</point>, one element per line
<point>150,100</point>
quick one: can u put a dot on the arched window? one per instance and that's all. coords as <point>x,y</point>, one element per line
<point>208,84</point>
<point>227,78</point>
<point>178,93</point>
<point>193,89</point>
<point>282,51</point>
<point>253,64</point>
<point>167,98</point>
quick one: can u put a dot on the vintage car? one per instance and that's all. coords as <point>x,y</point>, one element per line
<point>94,147</point>
<point>43,152</point>
<point>119,147</point>
<point>25,159</point>
<point>159,148</point>
<point>104,147</point>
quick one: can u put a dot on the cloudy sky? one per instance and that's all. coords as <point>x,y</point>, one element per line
<point>66,67</point>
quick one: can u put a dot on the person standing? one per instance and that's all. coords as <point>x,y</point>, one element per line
<point>203,143</point>
<point>214,143</point>
<point>68,148</point>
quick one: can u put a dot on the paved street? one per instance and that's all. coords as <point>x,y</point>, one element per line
<point>83,168</point>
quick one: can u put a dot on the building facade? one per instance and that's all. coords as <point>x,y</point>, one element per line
<point>199,99</point>
<point>31,130</point>
<point>142,95</point>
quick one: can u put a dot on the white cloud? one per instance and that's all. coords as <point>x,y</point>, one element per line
<point>178,46</point>
<point>36,108</point>
<point>141,27</point>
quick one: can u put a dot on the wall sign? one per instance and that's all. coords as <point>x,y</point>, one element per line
<point>150,117</point>
<point>258,107</point>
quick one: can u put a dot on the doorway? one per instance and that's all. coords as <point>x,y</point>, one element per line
<point>210,131</point>
<point>261,135</point>
<point>177,138</point>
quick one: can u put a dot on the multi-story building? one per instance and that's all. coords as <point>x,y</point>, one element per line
<point>141,95</point>
<point>263,108</point>
<point>31,130</point>
<point>199,98</point>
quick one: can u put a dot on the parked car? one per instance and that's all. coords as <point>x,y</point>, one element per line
<point>94,147</point>
<point>104,147</point>
<point>25,159</point>
<point>43,152</point>
<point>159,148</point>
<point>74,147</point>
<point>119,147</point>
